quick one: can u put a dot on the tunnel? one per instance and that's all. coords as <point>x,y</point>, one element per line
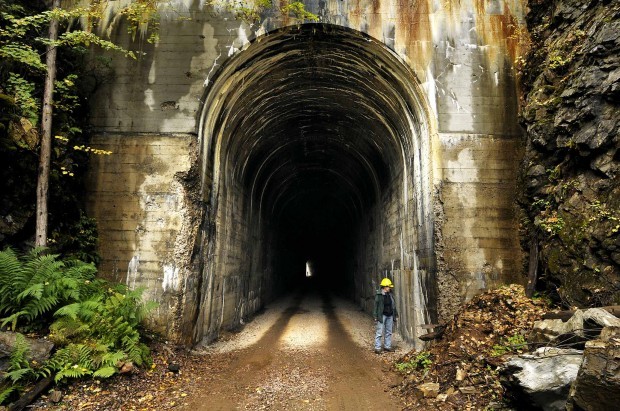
<point>315,168</point>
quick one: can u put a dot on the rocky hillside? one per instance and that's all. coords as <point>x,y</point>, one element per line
<point>571,170</point>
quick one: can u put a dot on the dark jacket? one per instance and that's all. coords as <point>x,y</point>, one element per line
<point>378,313</point>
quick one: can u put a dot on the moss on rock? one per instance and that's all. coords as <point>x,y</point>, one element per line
<point>572,120</point>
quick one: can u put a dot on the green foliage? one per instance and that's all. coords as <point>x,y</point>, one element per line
<point>602,212</point>
<point>109,320</point>
<point>23,92</point>
<point>95,324</point>
<point>23,42</point>
<point>515,343</point>
<point>557,60</point>
<point>23,54</point>
<point>85,38</point>
<point>143,16</point>
<point>20,371</point>
<point>298,9</point>
<point>548,219</point>
<point>250,11</point>
<point>36,285</point>
<point>421,361</point>
<point>79,239</point>
<point>99,334</point>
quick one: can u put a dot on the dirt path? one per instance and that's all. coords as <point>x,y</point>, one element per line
<point>315,355</point>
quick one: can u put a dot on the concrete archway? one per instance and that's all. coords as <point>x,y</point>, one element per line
<point>314,146</point>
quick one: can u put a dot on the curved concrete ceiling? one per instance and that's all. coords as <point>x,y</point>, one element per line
<point>309,109</point>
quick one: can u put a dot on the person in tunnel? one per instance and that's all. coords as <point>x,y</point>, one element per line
<point>385,315</point>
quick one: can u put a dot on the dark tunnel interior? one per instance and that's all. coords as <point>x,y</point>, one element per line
<point>309,135</point>
<point>316,138</point>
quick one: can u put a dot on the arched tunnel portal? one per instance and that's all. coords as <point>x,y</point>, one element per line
<point>315,146</point>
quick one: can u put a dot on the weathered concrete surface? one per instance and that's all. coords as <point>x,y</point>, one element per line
<point>398,117</point>
<point>147,224</point>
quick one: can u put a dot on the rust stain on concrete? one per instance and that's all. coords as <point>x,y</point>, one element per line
<point>414,32</point>
<point>500,31</point>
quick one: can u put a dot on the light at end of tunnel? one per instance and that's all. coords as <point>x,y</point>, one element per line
<point>309,268</point>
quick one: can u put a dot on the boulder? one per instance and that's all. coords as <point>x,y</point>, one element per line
<point>597,386</point>
<point>584,325</point>
<point>39,349</point>
<point>541,379</point>
<point>55,396</point>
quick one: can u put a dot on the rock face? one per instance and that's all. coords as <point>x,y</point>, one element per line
<point>542,379</point>
<point>571,169</point>
<point>597,386</point>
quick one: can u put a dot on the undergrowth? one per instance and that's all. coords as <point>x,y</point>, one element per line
<point>421,361</point>
<point>95,325</point>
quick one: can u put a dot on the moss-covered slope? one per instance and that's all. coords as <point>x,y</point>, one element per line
<point>571,170</point>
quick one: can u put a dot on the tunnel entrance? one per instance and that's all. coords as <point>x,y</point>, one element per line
<point>314,147</point>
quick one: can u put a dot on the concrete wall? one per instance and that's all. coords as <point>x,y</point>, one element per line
<point>462,54</point>
<point>147,225</point>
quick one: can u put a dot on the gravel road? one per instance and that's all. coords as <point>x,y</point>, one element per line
<point>305,352</point>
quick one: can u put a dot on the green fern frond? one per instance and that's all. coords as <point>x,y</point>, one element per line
<point>13,319</point>
<point>34,290</point>
<point>139,354</point>
<point>72,372</point>
<point>113,358</point>
<point>65,328</point>
<point>18,375</point>
<point>44,372</point>
<point>102,348</point>
<point>105,372</point>
<point>89,308</point>
<point>70,310</point>
<point>96,324</point>
<point>21,349</point>
<point>85,356</point>
<point>7,391</point>
<point>36,308</point>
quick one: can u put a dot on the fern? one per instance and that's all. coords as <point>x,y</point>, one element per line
<point>72,372</point>
<point>18,359</point>
<point>72,361</point>
<point>70,310</point>
<point>113,358</point>
<point>6,392</point>
<point>35,290</point>
<point>18,375</point>
<point>19,371</point>
<point>37,284</point>
<point>12,319</point>
<point>105,372</point>
<point>95,324</point>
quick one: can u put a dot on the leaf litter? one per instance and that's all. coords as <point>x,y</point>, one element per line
<point>465,359</point>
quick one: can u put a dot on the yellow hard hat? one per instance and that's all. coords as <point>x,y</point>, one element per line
<point>386,283</point>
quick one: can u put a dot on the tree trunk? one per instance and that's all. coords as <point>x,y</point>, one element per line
<point>46,135</point>
<point>532,275</point>
<point>31,395</point>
